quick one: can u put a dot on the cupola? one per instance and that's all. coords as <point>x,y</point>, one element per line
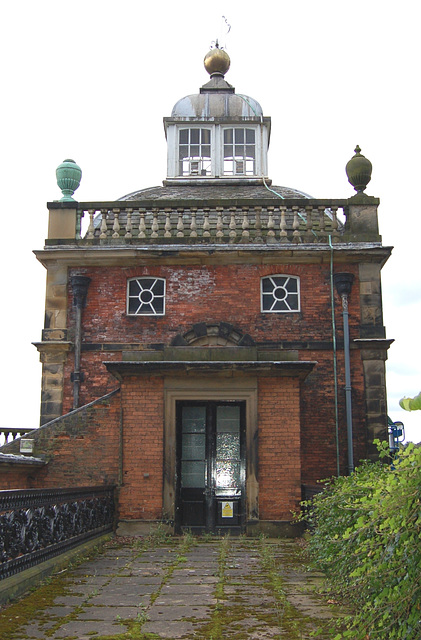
<point>217,134</point>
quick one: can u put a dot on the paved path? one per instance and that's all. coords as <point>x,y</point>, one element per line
<point>179,589</point>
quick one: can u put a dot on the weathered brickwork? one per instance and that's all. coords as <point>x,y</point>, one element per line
<point>318,436</point>
<point>279,448</point>
<point>228,293</point>
<point>196,294</point>
<point>143,448</point>
<point>82,449</point>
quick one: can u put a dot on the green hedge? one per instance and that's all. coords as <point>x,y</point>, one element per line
<point>367,540</point>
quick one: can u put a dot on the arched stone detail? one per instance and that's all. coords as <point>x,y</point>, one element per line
<point>218,334</point>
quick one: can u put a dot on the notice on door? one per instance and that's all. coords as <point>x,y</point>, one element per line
<point>227,509</point>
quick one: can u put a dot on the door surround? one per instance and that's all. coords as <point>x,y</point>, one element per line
<point>206,388</point>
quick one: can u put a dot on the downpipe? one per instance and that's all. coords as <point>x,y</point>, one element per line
<point>79,286</point>
<point>343,283</point>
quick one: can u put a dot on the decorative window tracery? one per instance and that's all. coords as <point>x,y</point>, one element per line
<point>280,294</point>
<point>146,296</point>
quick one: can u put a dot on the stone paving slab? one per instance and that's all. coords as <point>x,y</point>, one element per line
<point>84,630</point>
<point>183,591</point>
<point>176,630</point>
<point>108,613</point>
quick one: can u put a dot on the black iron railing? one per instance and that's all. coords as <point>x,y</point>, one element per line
<point>38,524</point>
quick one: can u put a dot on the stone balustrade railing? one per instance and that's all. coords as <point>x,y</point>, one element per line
<point>144,223</point>
<point>8,434</point>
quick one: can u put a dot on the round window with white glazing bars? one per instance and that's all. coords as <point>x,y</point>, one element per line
<point>280,294</point>
<point>146,296</point>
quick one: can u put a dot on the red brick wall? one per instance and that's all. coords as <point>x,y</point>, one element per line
<point>229,293</point>
<point>97,382</point>
<point>143,448</point>
<point>82,450</point>
<point>318,435</point>
<point>14,478</point>
<point>226,293</point>
<point>279,447</point>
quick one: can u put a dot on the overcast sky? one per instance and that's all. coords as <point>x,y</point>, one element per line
<point>91,80</point>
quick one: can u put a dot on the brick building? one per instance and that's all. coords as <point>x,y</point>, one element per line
<point>190,353</point>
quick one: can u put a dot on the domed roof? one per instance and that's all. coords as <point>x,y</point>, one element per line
<point>216,105</point>
<point>217,98</point>
<point>200,193</point>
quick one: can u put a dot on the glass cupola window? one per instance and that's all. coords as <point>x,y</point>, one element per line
<point>217,133</point>
<point>194,152</point>
<point>239,152</point>
<point>216,151</point>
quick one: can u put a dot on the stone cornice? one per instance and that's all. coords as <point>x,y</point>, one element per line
<point>299,369</point>
<point>75,254</point>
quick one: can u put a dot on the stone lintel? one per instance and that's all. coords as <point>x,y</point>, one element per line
<point>299,369</point>
<point>206,354</point>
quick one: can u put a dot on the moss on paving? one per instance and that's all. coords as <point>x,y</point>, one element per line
<point>228,616</point>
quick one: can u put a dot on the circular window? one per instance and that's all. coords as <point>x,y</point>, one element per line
<point>280,293</point>
<point>146,296</point>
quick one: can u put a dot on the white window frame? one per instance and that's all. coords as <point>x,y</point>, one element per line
<point>153,311</point>
<point>256,144</point>
<point>277,286</point>
<point>189,127</point>
<point>217,150</point>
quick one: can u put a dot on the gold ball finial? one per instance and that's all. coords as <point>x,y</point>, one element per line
<point>217,61</point>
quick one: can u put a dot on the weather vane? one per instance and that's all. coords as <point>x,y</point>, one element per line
<point>215,43</point>
<point>226,22</point>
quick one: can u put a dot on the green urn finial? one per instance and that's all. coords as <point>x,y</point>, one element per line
<point>68,175</point>
<point>358,170</point>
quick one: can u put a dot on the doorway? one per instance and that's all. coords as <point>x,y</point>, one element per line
<point>210,466</point>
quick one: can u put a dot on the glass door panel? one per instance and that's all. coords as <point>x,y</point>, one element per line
<point>210,466</point>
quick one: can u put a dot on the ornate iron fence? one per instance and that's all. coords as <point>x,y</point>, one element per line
<point>38,524</point>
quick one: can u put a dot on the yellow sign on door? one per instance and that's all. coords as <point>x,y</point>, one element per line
<point>227,509</point>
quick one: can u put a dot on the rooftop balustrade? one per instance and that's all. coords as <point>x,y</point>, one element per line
<point>219,224</point>
<point>143,223</point>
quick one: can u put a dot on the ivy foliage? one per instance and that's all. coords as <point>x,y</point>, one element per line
<point>367,540</point>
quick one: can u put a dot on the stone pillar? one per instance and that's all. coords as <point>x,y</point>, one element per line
<point>373,360</point>
<point>62,221</point>
<point>53,355</point>
<point>55,345</point>
<point>374,348</point>
<point>362,220</point>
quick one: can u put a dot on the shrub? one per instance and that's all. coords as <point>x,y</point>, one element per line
<point>367,540</point>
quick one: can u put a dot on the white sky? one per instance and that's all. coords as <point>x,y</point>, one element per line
<point>92,80</point>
